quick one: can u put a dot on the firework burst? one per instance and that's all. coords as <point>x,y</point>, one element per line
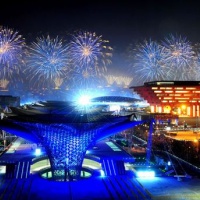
<point>89,53</point>
<point>47,59</point>
<point>119,80</point>
<point>4,84</point>
<point>58,82</point>
<point>179,55</point>
<point>148,62</point>
<point>12,46</point>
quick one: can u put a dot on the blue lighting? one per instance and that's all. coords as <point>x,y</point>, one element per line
<point>38,152</point>
<point>84,100</point>
<point>102,173</point>
<point>67,133</point>
<point>145,174</point>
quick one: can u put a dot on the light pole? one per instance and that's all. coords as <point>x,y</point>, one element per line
<point>196,118</point>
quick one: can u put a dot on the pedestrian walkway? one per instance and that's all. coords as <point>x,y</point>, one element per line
<point>126,186</point>
<point>113,187</point>
<point>172,188</point>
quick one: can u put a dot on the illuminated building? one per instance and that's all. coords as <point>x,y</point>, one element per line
<point>66,131</point>
<point>181,98</point>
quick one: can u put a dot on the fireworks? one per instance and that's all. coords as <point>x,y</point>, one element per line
<point>89,53</point>
<point>58,82</point>
<point>4,84</point>
<point>194,69</point>
<point>178,55</point>
<point>11,52</point>
<point>173,59</point>
<point>83,62</point>
<point>119,80</point>
<point>126,80</point>
<point>47,59</point>
<point>178,51</point>
<point>148,65</point>
<point>110,79</point>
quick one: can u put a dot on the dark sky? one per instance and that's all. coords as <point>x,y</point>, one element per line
<point>121,22</point>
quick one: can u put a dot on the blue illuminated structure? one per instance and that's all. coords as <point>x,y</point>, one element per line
<point>65,130</point>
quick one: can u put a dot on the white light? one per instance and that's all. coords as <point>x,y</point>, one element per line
<point>102,173</point>
<point>146,174</point>
<point>168,128</point>
<point>37,152</point>
<point>84,100</point>
<point>115,108</point>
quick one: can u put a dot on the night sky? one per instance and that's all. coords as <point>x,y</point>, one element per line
<point>121,22</point>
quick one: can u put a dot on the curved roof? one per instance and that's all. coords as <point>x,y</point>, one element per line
<point>21,121</point>
<point>62,112</point>
<point>117,99</point>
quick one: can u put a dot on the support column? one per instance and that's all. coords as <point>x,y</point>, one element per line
<point>149,142</point>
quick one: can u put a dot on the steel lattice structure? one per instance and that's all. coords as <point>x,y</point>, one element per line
<point>64,132</point>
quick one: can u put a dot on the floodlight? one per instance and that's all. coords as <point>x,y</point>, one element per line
<point>169,163</point>
<point>84,100</point>
<point>102,173</point>
<point>37,151</point>
<point>168,128</point>
<point>145,174</point>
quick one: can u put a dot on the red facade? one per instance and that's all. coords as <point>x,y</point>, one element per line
<point>175,97</point>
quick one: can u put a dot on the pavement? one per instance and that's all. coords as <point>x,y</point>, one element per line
<point>120,187</point>
<point>94,188</point>
<point>171,188</point>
